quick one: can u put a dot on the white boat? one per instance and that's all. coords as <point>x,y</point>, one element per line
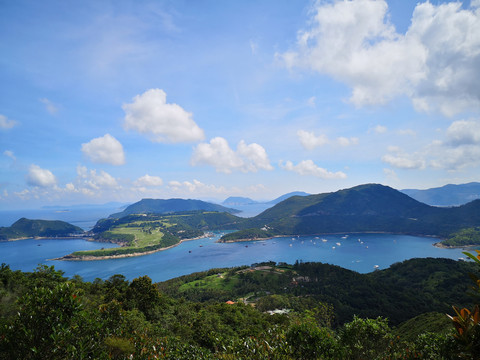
<point>376,266</point>
<point>324,240</point>
<point>333,247</point>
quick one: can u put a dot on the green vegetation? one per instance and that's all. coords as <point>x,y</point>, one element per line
<point>160,206</point>
<point>143,233</point>
<point>364,208</point>
<point>248,234</point>
<point>464,237</point>
<point>25,228</point>
<point>45,315</point>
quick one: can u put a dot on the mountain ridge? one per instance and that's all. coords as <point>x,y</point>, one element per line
<point>164,206</point>
<point>363,208</point>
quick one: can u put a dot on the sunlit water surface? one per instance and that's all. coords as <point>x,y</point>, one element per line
<point>359,252</point>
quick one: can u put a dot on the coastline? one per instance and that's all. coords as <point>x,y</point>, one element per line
<point>71,257</point>
<point>339,233</point>
<point>50,238</point>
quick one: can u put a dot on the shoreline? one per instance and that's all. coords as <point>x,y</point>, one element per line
<point>71,257</point>
<point>335,233</point>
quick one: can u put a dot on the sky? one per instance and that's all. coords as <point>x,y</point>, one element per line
<point>122,100</point>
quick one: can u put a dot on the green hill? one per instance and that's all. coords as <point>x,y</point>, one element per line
<point>25,228</point>
<point>364,208</point>
<point>160,206</point>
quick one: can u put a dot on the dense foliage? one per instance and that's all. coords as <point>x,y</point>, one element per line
<point>45,315</point>
<point>24,228</point>
<point>464,237</point>
<point>161,206</point>
<point>364,208</point>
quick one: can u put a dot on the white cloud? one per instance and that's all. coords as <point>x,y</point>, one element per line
<point>49,106</point>
<point>151,115</point>
<point>310,141</point>
<point>403,161</point>
<point>217,153</point>
<point>40,177</point>
<point>308,167</point>
<point>147,180</point>
<point>435,62</point>
<point>106,150</point>
<point>464,132</point>
<point>91,180</point>
<point>10,154</point>
<point>5,123</point>
<point>343,141</point>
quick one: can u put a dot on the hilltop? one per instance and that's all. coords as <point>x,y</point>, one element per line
<point>26,228</point>
<point>161,206</point>
<point>364,208</point>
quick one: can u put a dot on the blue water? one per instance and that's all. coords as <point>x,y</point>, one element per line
<point>358,252</point>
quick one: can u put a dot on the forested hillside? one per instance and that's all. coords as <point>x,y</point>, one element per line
<point>274,311</point>
<point>24,228</point>
<point>364,208</point>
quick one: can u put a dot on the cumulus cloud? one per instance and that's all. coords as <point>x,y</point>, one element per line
<point>147,180</point>
<point>40,177</point>
<point>435,62</point>
<point>150,114</point>
<point>217,153</point>
<point>105,149</point>
<point>464,132</point>
<point>310,141</point>
<point>308,167</point>
<point>5,123</point>
<point>90,181</point>
<point>461,147</point>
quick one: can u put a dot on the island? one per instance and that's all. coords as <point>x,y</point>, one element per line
<point>27,228</point>
<point>142,234</point>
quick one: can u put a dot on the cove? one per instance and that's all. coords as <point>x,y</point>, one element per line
<point>359,252</point>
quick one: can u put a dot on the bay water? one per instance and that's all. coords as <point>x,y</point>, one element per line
<point>359,252</point>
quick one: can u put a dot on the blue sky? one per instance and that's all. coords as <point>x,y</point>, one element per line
<point>122,100</point>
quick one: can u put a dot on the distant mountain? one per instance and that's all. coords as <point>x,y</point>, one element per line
<point>448,195</point>
<point>237,200</point>
<point>160,206</point>
<point>364,208</point>
<point>286,196</point>
<point>25,228</point>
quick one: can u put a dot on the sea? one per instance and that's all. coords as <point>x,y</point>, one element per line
<point>358,252</point>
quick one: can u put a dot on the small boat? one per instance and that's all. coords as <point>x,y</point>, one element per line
<point>376,266</point>
<point>324,240</point>
<point>338,244</point>
<point>189,251</point>
<point>333,247</point>
<point>290,245</point>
